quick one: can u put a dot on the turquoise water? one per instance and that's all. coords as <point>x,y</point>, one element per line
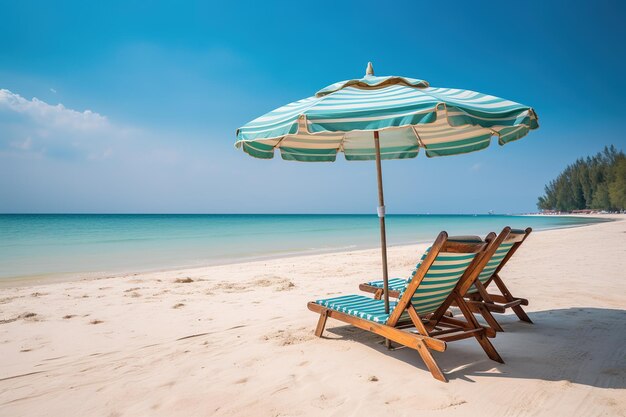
<point>33,245</point>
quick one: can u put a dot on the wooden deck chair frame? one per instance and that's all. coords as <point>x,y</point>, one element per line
<point>482,302</point>
<point>435,330</point>
<point>499,303</point>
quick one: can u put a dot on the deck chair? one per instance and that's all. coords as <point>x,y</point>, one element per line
<point>478,299</point>
<point>498,303</point>
<point>444,274</point>
<point>398,285</point>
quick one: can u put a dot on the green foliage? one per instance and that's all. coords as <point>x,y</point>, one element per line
<point>617,187</point>
<point>597,182</point>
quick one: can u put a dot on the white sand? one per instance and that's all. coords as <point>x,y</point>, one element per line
<point>238,341</point>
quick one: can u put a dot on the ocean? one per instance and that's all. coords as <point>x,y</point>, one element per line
<point>44,246</point>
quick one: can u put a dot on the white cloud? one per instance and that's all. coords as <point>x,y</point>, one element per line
<point>24,145</point>
<point>476,167</point>
<point>38,128</point>
<point>53,90</point>
<point>54,158</point>
<point>57,116</point>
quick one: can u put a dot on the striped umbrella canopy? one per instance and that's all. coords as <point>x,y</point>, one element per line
<point>391,117</point>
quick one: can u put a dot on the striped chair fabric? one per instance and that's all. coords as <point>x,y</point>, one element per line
<point>399,284</point>
<point>495,261</point>
<point>360,306</point>
<point>395,284</point>
<point>441,278</point>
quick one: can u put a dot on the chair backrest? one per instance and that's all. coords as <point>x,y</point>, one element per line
<point>443,274</point>
<point>437,275</point>
<point>504,252</point>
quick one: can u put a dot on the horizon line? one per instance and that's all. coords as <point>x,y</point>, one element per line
<point>263,214</point>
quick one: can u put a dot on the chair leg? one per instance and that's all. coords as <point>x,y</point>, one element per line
<point>428,359</point>
<point>490,319</point>
<point>480,307</point>
<point>488,348</point>
<point>519,311</point>
<point>481,337</point>
<point>321,323</point>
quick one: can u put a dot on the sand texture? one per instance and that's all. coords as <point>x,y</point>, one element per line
<point>237,340</point>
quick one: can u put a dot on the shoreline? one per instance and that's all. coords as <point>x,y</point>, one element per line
<point>62,277</point>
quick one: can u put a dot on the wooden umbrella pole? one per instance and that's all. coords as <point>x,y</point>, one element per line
<point>381,216</point>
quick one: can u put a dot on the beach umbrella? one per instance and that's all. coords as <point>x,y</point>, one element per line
<point>391,117</point>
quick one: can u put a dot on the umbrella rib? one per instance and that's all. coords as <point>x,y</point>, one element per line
<point>419,139</point>
<point>279,142</point>
<point>341,148</point>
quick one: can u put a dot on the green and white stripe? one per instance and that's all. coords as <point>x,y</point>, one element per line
<point>395,284</point>
<point>493,264</point>
<point>360,306</point>
<point>441,278</point>
<point>408,114</point>
<point>497,258</point>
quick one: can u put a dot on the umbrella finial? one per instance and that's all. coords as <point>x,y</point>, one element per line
<point>370,69</point>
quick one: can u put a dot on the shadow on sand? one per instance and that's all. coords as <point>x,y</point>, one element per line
<point>580,345</point>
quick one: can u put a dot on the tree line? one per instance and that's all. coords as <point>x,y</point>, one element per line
<point>597,182</point>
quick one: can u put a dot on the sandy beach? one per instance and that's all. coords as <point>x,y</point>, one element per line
<point>237,340</point>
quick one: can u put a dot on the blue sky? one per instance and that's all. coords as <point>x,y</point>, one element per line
<point>132,106</point>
